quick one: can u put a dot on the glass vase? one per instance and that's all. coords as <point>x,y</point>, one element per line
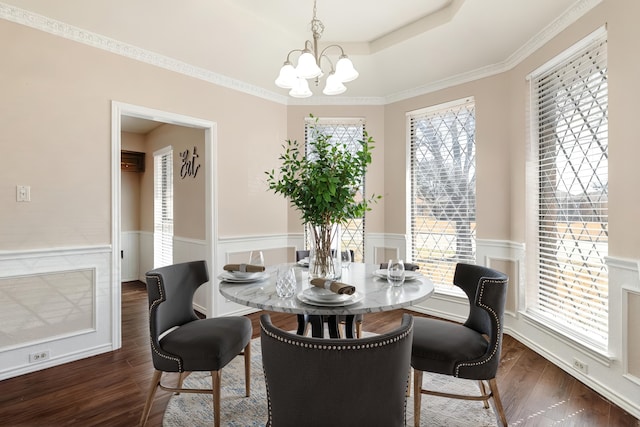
<point>324,251</point>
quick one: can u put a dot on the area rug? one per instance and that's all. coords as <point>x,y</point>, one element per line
<point>196,410</point>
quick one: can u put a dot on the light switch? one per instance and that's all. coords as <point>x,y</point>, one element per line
<point>23,193</point>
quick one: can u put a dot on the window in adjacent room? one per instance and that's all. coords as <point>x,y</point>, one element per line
<point>569,290</point>
<point>163,207</point>
<point>443,189</point>
<point>349,132</point>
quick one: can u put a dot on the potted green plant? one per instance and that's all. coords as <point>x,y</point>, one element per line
<point>323,185</point>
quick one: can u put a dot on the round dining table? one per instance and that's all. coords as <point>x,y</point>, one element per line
<point>373,294</point>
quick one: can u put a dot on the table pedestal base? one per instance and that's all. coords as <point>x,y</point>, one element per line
<point>317,325</point>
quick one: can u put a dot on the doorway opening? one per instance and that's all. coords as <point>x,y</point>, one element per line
<point>124,118</point>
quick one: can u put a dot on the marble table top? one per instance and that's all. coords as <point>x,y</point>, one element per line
<point>376,294</point>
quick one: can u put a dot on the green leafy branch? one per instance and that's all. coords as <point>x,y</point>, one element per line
<point>323,185</point>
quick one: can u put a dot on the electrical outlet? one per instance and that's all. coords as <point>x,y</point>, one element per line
<point>580,366</point>
<point>39,356</point>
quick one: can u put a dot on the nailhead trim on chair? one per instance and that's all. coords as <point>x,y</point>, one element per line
<point>153,307</point>
<point>493,313</point>
<point>316,346</point>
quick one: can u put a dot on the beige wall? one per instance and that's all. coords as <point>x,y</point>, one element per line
<point>55,134</point>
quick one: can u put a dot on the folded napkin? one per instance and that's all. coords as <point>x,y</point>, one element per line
<point>244,268</point>
<point>337,287</point>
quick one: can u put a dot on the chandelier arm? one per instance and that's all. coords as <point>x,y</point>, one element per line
<point>330,46</point>
<point>292,51</point>
<point>323,56</point>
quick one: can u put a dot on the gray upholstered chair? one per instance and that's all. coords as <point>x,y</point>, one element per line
<point>336,382</point>
<point>470,350</point>
<point>182,342</point>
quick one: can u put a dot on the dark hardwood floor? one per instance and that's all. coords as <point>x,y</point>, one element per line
<point>110,389</point>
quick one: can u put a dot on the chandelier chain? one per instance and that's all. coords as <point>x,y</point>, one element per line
<point>317,27</point>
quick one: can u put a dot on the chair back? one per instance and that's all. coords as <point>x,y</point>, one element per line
<point>486,290</point>
<point>336,382</point>
<point>302,255</point>
<point>408,266</point>
<point>170,291</point>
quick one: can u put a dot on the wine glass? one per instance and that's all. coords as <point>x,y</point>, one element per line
<point>256,258</point>
<point>395,272</point>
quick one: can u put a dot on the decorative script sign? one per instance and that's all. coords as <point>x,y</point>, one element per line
<point>189,167</point>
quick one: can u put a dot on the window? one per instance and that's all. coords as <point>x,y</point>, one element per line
<point>349,132</point>
<point>570,99</point>
<point>163,207</point>
<point>443,189</point>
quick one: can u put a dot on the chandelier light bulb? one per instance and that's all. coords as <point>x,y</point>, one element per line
<point>307,67</point>
<point>301,89</point>
<point>334,86</point>
<point>345,70</point>
<point>287,77</point>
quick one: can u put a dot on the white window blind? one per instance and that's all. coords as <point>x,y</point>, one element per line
<point>163,207</point>
<point>443,189</point>
<point>571,103</point>
<point>348,131</point>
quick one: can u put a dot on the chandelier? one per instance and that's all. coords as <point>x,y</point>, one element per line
<point>310,67</point>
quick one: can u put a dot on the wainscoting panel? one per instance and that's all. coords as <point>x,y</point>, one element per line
<point>41,307</point>
<point>632,320</point>
<point>56,307</point>
<point>387,247</point>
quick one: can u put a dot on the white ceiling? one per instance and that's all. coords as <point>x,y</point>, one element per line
<point>400,47</point>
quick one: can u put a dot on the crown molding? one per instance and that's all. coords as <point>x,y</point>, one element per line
<point>571,15</point>
<point>61,29</point>
<point>70,32</point>
<point>562,22</point>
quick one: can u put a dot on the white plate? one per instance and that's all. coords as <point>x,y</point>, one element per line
<point>408,275</point>
<point>245,274</point>
<point>353,299</point>
<point>317,294</point>
<point>229,277</point>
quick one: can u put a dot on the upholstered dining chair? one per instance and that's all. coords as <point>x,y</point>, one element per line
<point>182,342</point>
<point>303,320</point>
<point>470,350</point>
<point>317,382</point>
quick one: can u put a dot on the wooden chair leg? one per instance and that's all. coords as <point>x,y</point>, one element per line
<point>417,396</point>
<point>247,369</point>
<point>155,382</point>
<point>359,329</point>
<point>497,402</point>
<point>215,379</point>
<point>483,390</point>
